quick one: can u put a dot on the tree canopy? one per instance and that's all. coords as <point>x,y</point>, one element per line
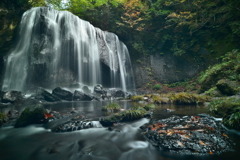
<point>182,27</point>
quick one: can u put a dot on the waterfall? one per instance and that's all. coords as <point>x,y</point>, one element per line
<point>56,48</point>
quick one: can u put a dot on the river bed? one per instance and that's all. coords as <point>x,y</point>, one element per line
<point>123,143</point>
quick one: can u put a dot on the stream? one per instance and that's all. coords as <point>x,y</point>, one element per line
<point>125,142</point>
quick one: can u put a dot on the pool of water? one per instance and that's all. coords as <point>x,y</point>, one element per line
<point>126,143</point>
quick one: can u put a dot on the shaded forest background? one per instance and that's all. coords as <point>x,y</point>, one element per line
<point>182,27</point>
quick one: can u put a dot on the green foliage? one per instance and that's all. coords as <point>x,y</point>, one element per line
<point>112,107</point>
<point>133,113</point>
<point>149,107</point>
<point>137,98</point>
<point>188,98</point>
<point>229,109</point>
<point>232,121</point>
<point>157,99</point>
<point>157,87</point>
<point>213,92</point>
<point>224,106</point>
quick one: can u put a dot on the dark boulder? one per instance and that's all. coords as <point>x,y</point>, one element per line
<point>227,87</point>
<point>99,89</point>
<point>80,96</point>
<point>46,95</point>
<point>119,93</point>
<point>86,89</point>
<point>62,94</point>
<point>12,96</point>
<point>36,114</point>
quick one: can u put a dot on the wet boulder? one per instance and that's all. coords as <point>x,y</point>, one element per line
<point>46,95</point>
<point>12,96</point>
<point>227,87</point>
<point>86,89</point>
<point>119,93</point>
<point>36,114</point>
<point>62,94</point>
<point>80,96</point>
<point>200,134</point>
<point>99,89</point>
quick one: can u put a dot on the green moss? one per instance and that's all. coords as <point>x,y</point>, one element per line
<point>224,106</point>
<point>137,98</point>
<point>213,92</point>
<point>133,113</point>
<point>188,98</point>
<point>149,107</point>
<point>112,107</point>
<point>158,99</point>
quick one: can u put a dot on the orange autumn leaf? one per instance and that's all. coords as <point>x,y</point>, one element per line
<point>48,115</point>
<point>153,129</point>
<point>224,135</point>
<point>202,143</point>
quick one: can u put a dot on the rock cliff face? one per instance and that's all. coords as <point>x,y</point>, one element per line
<point>165,68</point>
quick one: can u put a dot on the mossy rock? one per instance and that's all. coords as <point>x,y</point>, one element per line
<point>32,115</point>
<point>131,114</point>
<point>110,120</point>
<point>224,106</point>
<point>149,107</point>
<point>227,87</point>
<point>214,92</point>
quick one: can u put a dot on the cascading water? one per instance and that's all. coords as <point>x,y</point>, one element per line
<point>57,48</point>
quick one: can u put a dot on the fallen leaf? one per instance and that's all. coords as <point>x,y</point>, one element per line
<point>224,135</point>
<point>48,115</point>
<point>202,143</point>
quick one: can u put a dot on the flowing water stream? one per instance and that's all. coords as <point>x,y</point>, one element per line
<point>123,143</point>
